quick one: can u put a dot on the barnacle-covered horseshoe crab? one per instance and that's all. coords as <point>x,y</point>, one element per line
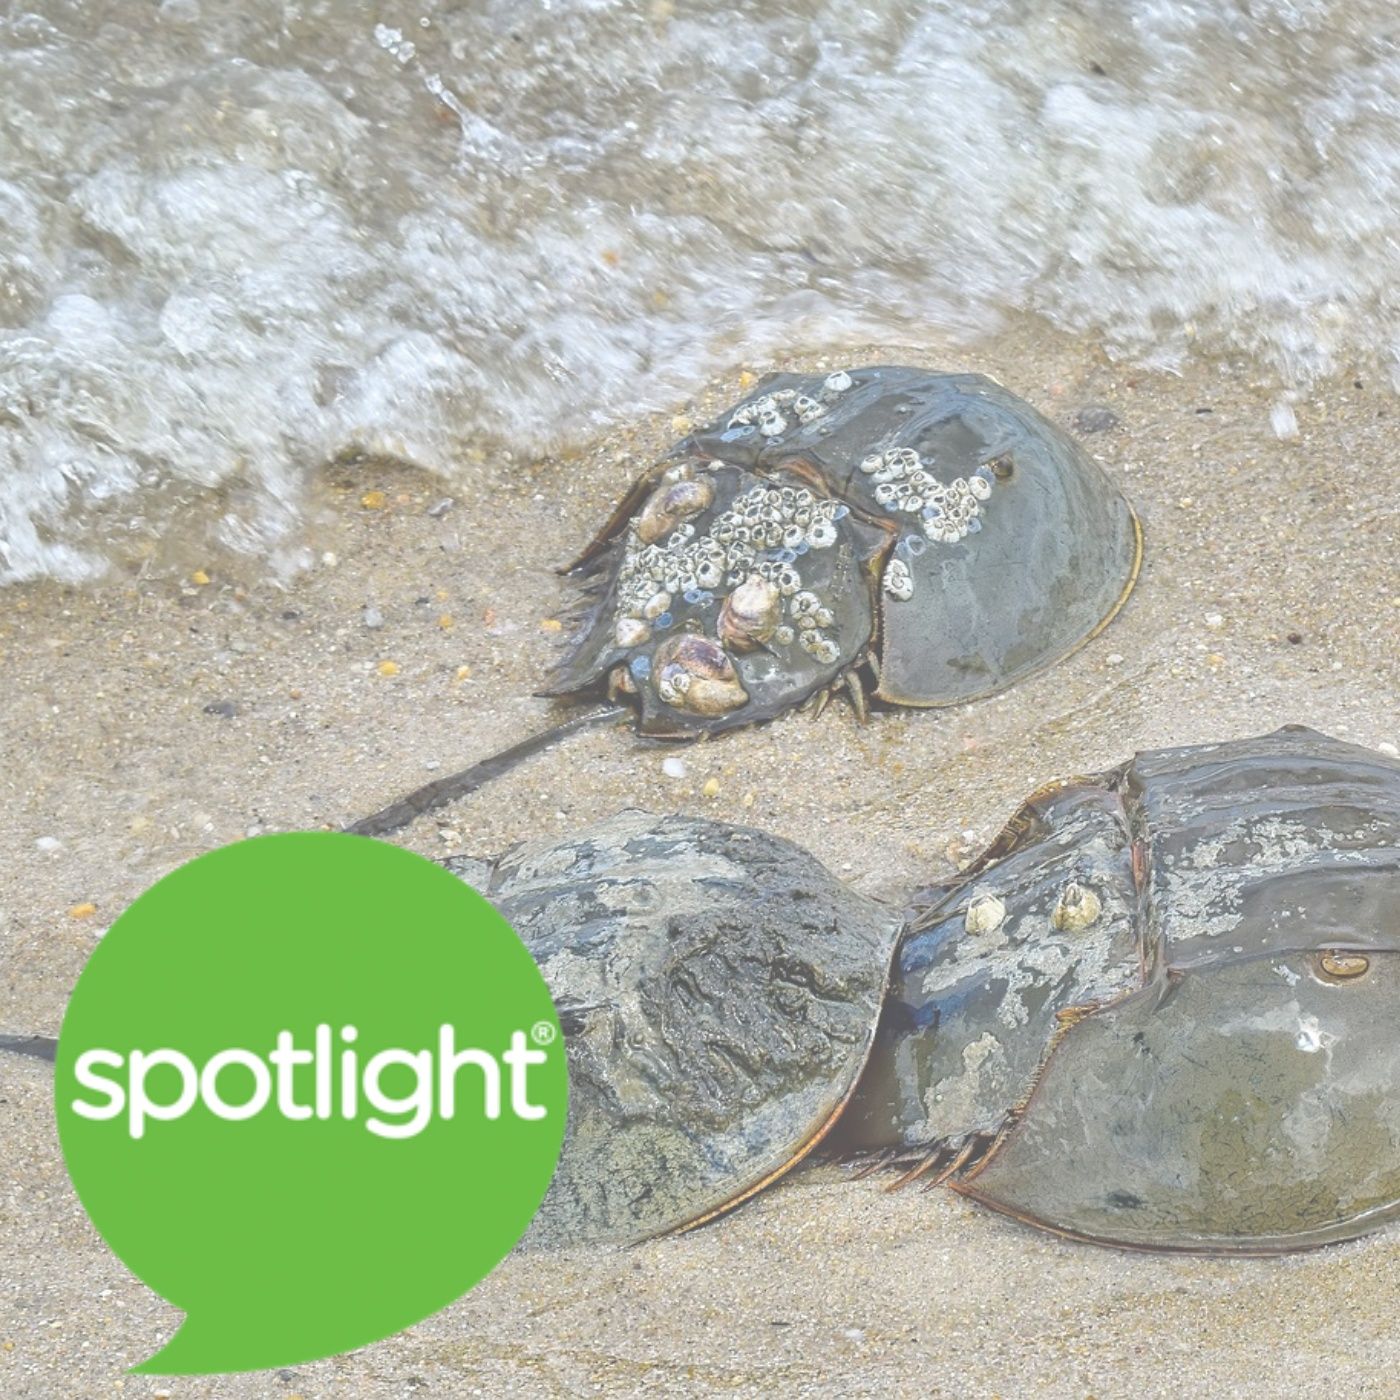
<point>931,529</point>
<point>929,537</point>
<point>1158,1012</point>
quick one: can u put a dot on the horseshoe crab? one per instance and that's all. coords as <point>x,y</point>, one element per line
<point>718,991</point>
<point>930,533</point>
<point>931,528</point>
<point>1158,1011</point>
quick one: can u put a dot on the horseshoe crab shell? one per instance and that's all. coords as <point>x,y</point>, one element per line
<point>1209,1062</point>
<point>719,992</point>
<point>952,537</point>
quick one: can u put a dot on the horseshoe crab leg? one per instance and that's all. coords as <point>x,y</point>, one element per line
<point>857,693</point>
<point>933,1159</point>
<point>444,790</point>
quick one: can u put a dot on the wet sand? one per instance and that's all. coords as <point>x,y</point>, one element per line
<point>150,719</point>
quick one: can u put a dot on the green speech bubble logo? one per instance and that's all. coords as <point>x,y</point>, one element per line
<point>310,1088</point>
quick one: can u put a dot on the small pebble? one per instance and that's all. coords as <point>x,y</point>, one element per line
<point>551,624</point>
<point>463,673</point>
<point>48,845</point>
<point>373,619</point>
<point>711,788</point>
<point>199,578</point>
<point>388,668</point>
<point>82,911</point>
<point>1214,620</point>
<point>1114,658</point>
<point>681,424</point>
<point>1389,750</point>
<point>224,709</point>
<point>673,767</point>
<point>445,621</point>
<point>1095,418</point>
<point>374,500</point>
<point>441,508</point>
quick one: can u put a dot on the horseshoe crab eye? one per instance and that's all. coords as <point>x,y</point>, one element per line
<point>1342,967</point>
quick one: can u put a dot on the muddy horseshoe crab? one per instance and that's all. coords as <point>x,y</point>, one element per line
<point>1158,1012</point>
<point>926,538</point>
<point>718,991</point>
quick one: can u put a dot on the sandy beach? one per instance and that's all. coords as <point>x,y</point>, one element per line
<point>156,716</point>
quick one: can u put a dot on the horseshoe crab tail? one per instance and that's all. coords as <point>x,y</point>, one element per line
<point>41,1047</point>
<point>443,790</point>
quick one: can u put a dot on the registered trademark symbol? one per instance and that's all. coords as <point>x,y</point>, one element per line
<point>542,1032</point>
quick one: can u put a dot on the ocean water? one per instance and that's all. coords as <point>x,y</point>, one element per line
<point>240,239</point>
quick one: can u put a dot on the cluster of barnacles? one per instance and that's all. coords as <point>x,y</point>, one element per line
<point>769,412</point>
<point>948,511</point>
<point>759,537</point>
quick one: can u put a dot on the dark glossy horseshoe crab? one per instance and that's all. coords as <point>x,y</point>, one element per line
<point>932,528</point>
<point>1158,1012</point>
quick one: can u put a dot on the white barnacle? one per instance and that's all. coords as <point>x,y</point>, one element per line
<point>821,534</point>
<point>804,604</point>
<point>985,914</point>
<point>672,688</point>
<point>872,464</point>
<point>899,582</point>
<point>980,487</point>
<point>1077,908</point>
<point>837,383</point>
